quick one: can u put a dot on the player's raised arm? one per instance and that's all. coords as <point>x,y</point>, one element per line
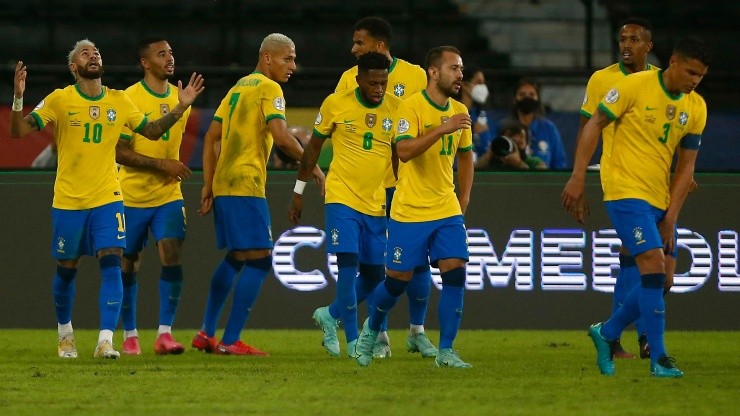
<point>155,129</point>
<point>19,125</point>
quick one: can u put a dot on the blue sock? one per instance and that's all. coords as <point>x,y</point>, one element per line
<point>64,293</point>
<point>170,287</point>
<point>221,282</point>
<point>385,297</point>
<point>622,317</point>
<point>346,298</point>
<point>450,306</point>
<point>632,275</point>
<point>245,293</point>
<point>111,291</point>
<point>128,304</point>
<point>621,286</point>
<point>371,275</point>
<point>652,308</point>
<point>418,294</point>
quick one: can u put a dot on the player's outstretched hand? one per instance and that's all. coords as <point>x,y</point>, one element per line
<point>206,201</point>
<point>295,209</point>
<point>19,80</point>
<point>191,91</point>
<point>456,122</point>
<point>175,169</point>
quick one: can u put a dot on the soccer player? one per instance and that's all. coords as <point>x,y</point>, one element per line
<point>87,211</point>
<point>360,123</point>
<point>373,34</point>
<point>654,113</point>
<point>150,181</point>
<point>244,126</point>
<point>427,217</point>
<point>635,42</point>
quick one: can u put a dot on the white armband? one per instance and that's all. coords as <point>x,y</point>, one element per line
<point>17,104</point>
<point>299,186</point>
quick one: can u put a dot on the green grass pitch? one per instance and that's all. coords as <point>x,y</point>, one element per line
<point>514,373</point>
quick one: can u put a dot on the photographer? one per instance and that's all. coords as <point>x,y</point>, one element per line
<point>508,151</point>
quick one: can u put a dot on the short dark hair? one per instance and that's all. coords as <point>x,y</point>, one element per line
<point>693,47</point>
<point>470,71</point>
<point>376,27</point>
<point>434,56</point>
<point>372,60</point>
<point>638,21</point>
<point>143,45</point>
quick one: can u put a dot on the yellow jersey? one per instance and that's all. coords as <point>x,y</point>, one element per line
<point>649,123</point>
<point>361,135</point>
<point>86,130</point>
<point>425,189</point>
<point>246,140</point>
<point>404,80</point>
<point>144,188</point>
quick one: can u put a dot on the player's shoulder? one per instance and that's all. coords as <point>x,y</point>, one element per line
<point>350,73</point>
<point>391,100</point>
<point>340,97</point>
<point>697,100</point>
<point>457,106</point>
<point>607,71</point>
<point>134,88</point>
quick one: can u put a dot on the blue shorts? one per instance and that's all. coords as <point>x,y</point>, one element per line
<point>165,221</point>
<point>636,223</point>
<point>242,223</point>
<point>86,231</point>
<point>389,192</point>
<point>350,231</point>
<point>412,244</point>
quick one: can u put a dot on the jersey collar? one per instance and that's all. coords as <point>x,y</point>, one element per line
<point>82,94</point>
<point>674,97</point>
<point>433,104</point>
<point>149,90</point>
<point>365,103</point>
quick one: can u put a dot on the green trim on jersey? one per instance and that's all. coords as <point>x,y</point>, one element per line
<point>82,94</point>
<point>319,135</point>
<point>433,104</point>
<point>219,119</point>
<point>141,125</point>
<point>585,113</point>
<point>465,149</point>
<point>624,71</point>
<point>674,97</point>
<point>399,138</point>
<point>39,122</point>
<point>393,65</point>
<point>149,90</point>
<point>365,103</point>
<point>273,116</point>
<point>125,136</point>
<point>606,111</point>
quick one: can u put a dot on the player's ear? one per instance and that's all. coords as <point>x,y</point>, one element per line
<point>650,46</point>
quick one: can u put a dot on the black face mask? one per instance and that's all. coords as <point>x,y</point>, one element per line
<point>527,105</point>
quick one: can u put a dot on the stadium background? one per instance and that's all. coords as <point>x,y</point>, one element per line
<point>559,41</point>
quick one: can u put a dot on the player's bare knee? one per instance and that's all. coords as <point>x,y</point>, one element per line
<point>116,251</point>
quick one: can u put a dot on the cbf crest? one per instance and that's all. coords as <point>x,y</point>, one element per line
<point>399,89</point>
<point>94,112</point>
<point>60,245</point>
<point>387,124</point>
<point>397,252</point>
<point>334,237</point>
<point>637,233</point>
<point>164,109</point>
<point>370,120</point>
<point>670,112</point>
<point>111,115</point>
<point>683,118</point>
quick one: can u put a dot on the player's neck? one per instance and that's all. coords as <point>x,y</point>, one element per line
<point>668,82</point>
<point>159,86</point>
<point>636,67</point>
<point>90,87</point>
<point>437,96</point>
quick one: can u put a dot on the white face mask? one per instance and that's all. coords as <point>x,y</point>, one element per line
<point>479,93</point>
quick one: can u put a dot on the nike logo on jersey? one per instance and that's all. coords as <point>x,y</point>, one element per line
<point>111,303</point>
<point>426,126</point>
<point>71,113</point>
<point>347,121</point>
<point>120,237</point>
<point>648,108</point>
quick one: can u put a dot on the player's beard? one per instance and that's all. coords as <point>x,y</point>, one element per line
<point>84,73</point>
<point>449,89</point>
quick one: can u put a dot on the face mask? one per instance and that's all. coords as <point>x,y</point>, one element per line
<point>527,105</point>
<point>479,93</point>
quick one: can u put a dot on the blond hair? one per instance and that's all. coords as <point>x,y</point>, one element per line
<point>274,42</point>
<point>75,50</point>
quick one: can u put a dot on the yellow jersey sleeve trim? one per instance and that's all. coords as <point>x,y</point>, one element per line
<point>606,111</point>
<point>399,138</point>
<point>273,116</point>
<point>141,125</point>
<point>38,120</point>
<point>319,135</point>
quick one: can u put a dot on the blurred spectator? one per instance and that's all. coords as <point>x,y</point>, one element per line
<point>545,141</point>
<point>281,161</point>
<point>508,151</point>
<point>474,94</point>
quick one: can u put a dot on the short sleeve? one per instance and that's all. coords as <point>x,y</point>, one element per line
<point>135,119</point>
<point>324,124</point>
<point>273,102</point>
<point>408,122</point>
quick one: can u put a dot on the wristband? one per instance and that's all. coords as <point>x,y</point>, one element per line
<point>299,186</point>
<point>17,104</point>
